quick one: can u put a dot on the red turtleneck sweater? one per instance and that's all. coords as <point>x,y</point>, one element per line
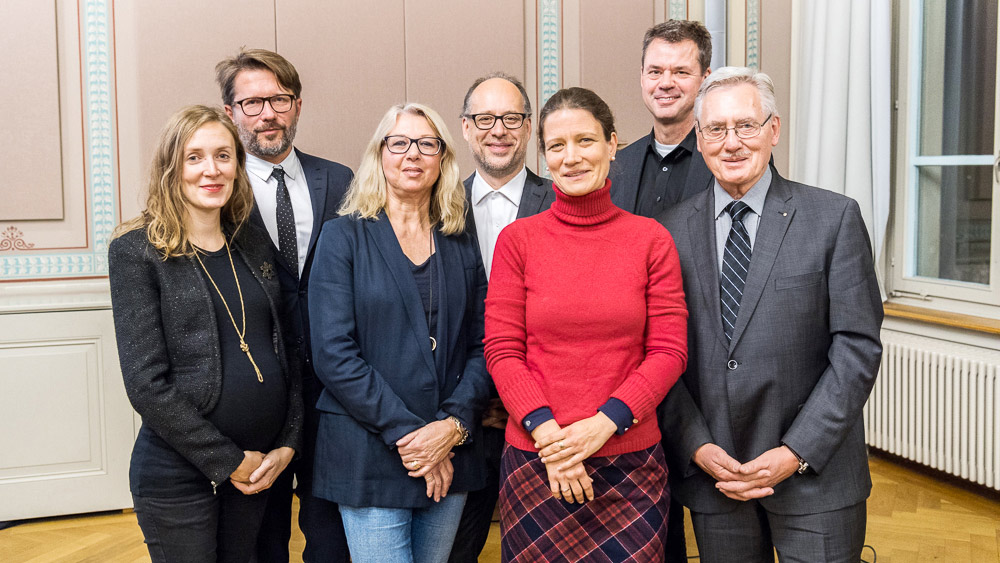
<point>585,303</point>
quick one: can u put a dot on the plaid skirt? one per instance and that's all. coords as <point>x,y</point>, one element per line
<point>626,521</point>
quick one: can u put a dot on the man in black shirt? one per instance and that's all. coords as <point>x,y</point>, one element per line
<point>659,170</point>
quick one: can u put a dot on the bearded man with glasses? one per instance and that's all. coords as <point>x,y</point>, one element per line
<point>294,193</point>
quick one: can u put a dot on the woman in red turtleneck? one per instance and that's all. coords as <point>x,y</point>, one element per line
<point>586,331</point>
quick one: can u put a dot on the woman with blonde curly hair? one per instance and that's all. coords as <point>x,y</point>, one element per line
<point>194,297</point>
<point>396,316</point>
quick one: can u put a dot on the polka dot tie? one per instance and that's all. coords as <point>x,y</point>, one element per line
<point>735,265</point>
<point>287,245</point>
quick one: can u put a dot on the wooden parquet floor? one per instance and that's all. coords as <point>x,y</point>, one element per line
<point>911,518</point>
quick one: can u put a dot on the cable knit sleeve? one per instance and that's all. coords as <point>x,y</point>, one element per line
<point>506,333</point>
<point>665,335</point>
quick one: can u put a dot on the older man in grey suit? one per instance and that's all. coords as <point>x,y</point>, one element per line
<point>783,346</point>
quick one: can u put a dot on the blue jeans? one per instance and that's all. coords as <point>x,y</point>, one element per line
<point>403,535</point>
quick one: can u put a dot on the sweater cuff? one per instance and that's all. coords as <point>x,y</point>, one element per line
<point>537,417</point>
<point>619,413</point>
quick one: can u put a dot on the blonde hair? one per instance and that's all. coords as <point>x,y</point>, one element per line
<point>368,193</point>
<point>165,212</point>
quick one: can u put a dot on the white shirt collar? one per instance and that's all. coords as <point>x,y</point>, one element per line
<point>262,168</point>
<point>512,190</point>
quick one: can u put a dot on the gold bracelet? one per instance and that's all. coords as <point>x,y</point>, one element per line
<point>462,430</point>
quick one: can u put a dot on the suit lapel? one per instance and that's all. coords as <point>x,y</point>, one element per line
<point>532,195</point>
<point>778,213</point>
<point>470,216</point>
<point>399,268</point>
<point>701,226</point>
<point>316,179</point>
<point>451,304</point>
<point>625,194</point>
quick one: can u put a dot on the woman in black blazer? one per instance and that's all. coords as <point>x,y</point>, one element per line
<point>396,316</point>
<point>194,292</point>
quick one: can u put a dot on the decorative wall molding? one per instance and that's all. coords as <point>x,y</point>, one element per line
<point>753,34</point>
<point>12,238</point>
<point>678,10</point>
<point>549,69</point>
<point>98,110</point>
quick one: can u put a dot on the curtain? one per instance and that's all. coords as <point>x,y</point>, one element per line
<point>839,127</point>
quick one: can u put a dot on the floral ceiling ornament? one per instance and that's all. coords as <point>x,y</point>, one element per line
<point>13,239</point>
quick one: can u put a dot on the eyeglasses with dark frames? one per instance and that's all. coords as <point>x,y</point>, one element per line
<point>485,121</point>
<point>745,130</point>
<point>399,144</point>
<point>253,106</point>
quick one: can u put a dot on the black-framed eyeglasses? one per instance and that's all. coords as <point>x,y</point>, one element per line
<point>399,144</point>
<point>253,106</point>
<point>485,121</point>
<point>745,130</point>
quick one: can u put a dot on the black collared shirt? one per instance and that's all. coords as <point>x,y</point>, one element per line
<point>662,182</point>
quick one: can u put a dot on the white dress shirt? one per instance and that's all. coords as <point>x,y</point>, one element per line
<point>494,210</point>
<point>265,190</point>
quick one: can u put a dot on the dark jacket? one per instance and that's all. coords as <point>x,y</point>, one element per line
<point>371,350</point>
<point>169,350</point>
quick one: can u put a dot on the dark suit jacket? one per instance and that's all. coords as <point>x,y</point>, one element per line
<point>803,357</point>
<point>168,346</point>
<point>626,172</point>
<point>328,182</point>
<point>371,349</point>
<point>536,197</point>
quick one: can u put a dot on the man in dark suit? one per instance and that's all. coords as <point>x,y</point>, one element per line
<point>783,346</point>
<point>294,194</point>
<point>663,168</point>
<point>496,122</point>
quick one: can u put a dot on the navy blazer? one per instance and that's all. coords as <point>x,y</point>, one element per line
<point>328,182</point>
<point>803,356</point>
<point>371,350</point>
<point>626,171</point>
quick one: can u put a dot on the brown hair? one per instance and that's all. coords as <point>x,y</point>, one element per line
<point>576,98</point>
<point>256,59</point>
<point>165,212</point>
<point>675,31</point>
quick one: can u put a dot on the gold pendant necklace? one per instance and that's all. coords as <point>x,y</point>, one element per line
<point>430,305</point>
<point>243,310</point>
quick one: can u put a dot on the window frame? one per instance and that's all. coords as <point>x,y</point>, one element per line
<point>934,293</point>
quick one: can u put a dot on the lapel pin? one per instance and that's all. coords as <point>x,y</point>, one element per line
<point>784,214</point>
<point>267,270</point>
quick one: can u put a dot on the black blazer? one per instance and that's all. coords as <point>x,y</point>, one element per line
<point>372,353</point>
<point>536,197</point>
<point>328,182</point>
<point>626,171</point>
<point>168,346</point>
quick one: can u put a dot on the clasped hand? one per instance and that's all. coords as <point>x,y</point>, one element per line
<point>426,452</point>
<point>745,481</point>
<point>258,471</point>
<point>563,451</point>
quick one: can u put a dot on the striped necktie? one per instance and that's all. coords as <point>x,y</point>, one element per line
<point>735,265</point>
<point>287,245</point>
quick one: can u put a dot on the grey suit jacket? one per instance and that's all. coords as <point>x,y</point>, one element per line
<point>626,171</point>
<point>804,353</point>
<point>536,197</point>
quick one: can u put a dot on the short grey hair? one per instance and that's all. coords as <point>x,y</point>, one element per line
<point>729,76</point>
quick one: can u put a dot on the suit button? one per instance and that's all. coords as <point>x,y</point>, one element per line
<point>732,364</point>
<point>303,292</point>
<point>300,340</point>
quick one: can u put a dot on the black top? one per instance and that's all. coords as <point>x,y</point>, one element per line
<point>249,412</point>
<point>661,185</point>
<point>422,275</point>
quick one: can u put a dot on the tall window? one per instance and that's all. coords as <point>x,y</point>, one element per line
<point>946,246</point>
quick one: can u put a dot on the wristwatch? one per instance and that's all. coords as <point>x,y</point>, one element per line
<point>462,430</point>
<point>803,464</point>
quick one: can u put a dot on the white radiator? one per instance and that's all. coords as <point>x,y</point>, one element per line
<point>938,403</point>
